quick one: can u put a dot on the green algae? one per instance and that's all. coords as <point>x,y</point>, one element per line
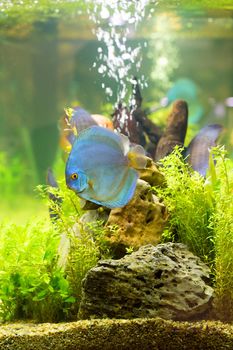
<point>28,11</point>
<point>107,334</point>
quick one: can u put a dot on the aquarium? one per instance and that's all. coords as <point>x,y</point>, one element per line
<point>116,172</point>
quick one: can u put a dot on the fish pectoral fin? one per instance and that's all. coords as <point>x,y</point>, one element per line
<point>137,159</point>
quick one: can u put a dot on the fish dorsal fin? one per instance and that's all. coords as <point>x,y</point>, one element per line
<point>81,119</point>
<point>100,134</point>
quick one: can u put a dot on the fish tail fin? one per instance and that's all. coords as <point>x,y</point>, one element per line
<point>137,158</point>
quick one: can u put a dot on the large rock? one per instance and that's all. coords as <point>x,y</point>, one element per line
<point>140,222</point>
<point>166,281</point>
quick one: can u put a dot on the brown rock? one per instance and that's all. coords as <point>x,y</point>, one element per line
<point>140,222</point>
<point>151,174</point>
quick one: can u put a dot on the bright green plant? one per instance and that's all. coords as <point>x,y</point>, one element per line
<point>31,283</point>
<point>221,223</point>
<point>189,204</point>
<point>81,245</point>
<point>83,255</point>
<point>42,264</point>
<point>201,216</point>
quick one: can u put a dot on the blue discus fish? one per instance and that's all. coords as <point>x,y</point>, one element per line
<point>101,167</point>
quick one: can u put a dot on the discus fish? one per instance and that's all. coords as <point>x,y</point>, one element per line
<point>103,121</point>
<point>199,147</point>
<point>79,120</point>
<point>102,167</point>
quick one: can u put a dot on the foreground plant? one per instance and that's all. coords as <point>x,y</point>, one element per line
<point>190,206</point>
<point>31,284</point>
<point>222,224</point>
<point>201,216</point>
<point>42,264</point>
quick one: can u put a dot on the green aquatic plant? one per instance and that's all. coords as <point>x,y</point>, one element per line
<point>201,216</point>
<point>189,205</point>
<point>83,255</point>
<point>221,223</point>
<point>31,283</point>
<point>81,244</point>
<point>43,263</point>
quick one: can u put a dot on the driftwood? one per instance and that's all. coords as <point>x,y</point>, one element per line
<point>175,131</point>
<point>133,122</point>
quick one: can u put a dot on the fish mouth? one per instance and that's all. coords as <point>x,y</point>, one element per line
<point>73,189</point>
<point>81,191</point>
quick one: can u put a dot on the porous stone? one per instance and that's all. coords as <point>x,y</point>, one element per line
<point>166,281</point>
<point>151,174</point>
<point>92,216</point>
<point>140,222</point>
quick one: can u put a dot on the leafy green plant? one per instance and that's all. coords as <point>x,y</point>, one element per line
<point>189,204</point>
<point>81,245</point>
<point>31,283</point>
<point>42,264</point>
<point>201,216</point>
<point>221,223</point>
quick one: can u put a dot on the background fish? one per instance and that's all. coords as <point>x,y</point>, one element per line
<point>103,121</point>
<point>198,149</point>
<point>101,167</point>
<point>79,120</point>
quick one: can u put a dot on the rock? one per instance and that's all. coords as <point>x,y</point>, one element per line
<point>92,216</point>
<point>166,281</point>
<point>151,174</point>
<point>140,222</point>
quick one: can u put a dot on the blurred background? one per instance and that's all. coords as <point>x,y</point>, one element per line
<point>57,54</point>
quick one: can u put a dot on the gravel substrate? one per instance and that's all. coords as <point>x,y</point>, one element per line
<point>141,334</point>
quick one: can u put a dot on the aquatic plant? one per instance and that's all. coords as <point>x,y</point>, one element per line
<point>83,255</point>
<point>31,284</point>
<point>43,263</point>
<point>201,216</point>
<point>221,223</point>
<point>189,206</point>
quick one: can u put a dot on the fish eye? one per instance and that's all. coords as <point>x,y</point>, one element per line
<point>74,176</point>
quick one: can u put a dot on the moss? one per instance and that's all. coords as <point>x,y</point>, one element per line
<point>117,334</point>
